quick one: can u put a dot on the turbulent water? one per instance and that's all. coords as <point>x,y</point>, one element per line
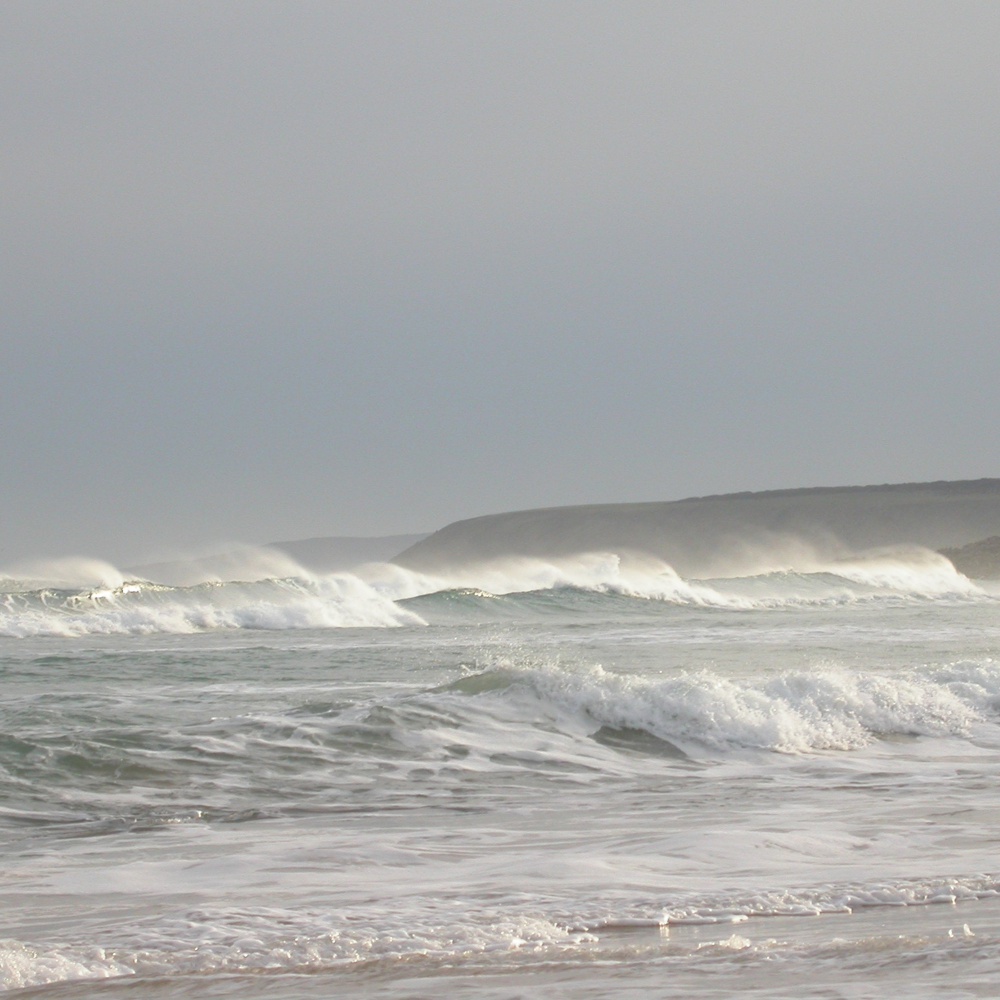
<point>533,779</point>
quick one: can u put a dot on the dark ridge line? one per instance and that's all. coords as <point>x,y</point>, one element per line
<point>956,484</point>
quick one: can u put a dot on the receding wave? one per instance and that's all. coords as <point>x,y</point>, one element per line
<point>272,939</point>
<point>829,899</point>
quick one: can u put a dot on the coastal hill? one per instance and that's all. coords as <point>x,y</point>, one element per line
<point>737,533</point>
<point>977,560</point>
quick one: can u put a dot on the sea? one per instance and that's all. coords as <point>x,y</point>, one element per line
<point>575,778</point>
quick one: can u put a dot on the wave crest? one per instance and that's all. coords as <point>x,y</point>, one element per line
<point>141,608</point>
<point>248,589</point>
<point>791,713</point>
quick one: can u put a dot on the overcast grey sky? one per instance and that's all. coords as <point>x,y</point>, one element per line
<point>277,269</point>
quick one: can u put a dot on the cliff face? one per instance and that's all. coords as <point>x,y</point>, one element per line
<point>731,534</point>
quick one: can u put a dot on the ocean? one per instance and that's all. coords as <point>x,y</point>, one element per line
<point>569,778</point>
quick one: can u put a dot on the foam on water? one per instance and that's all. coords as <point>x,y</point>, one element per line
<point>599,573</point>
<point>884,577</point>
<point>23,965</point>
<point>829,899</point>
<point>433,936</point>
<point>903,572</point>
<point>263,939</point>
<point>140,608</point>
<point>239,590</point>
<point>828,709</point>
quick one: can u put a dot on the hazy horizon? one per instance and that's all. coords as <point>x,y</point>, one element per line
<point>280,271</point>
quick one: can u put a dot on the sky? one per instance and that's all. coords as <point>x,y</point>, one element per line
<point>275,270</point>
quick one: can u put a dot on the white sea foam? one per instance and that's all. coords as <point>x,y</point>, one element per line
<point>254,588</point>
<point>23,965</point>
<point>792,713</point>
<point>338,601</point>
<point>271,939</point>
<point>897,574</point>
<point>111,604</point>
<point>599,572</point>
<point>829,899</point>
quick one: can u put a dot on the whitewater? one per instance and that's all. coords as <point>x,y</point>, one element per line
<point>559,775</point>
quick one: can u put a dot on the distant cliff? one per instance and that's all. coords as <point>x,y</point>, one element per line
<point>731,534</point>
<point>978,560</point>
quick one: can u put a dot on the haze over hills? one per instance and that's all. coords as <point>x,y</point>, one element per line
<point>329,555</point>
<point>733,534</point>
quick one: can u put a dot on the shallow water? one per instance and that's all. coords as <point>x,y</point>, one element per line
<point>782,785</point>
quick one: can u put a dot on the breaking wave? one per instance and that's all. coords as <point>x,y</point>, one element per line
<point>795,713</point>
<point>74,597</point>
<point>140,608</point>
<point>905,572</point>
